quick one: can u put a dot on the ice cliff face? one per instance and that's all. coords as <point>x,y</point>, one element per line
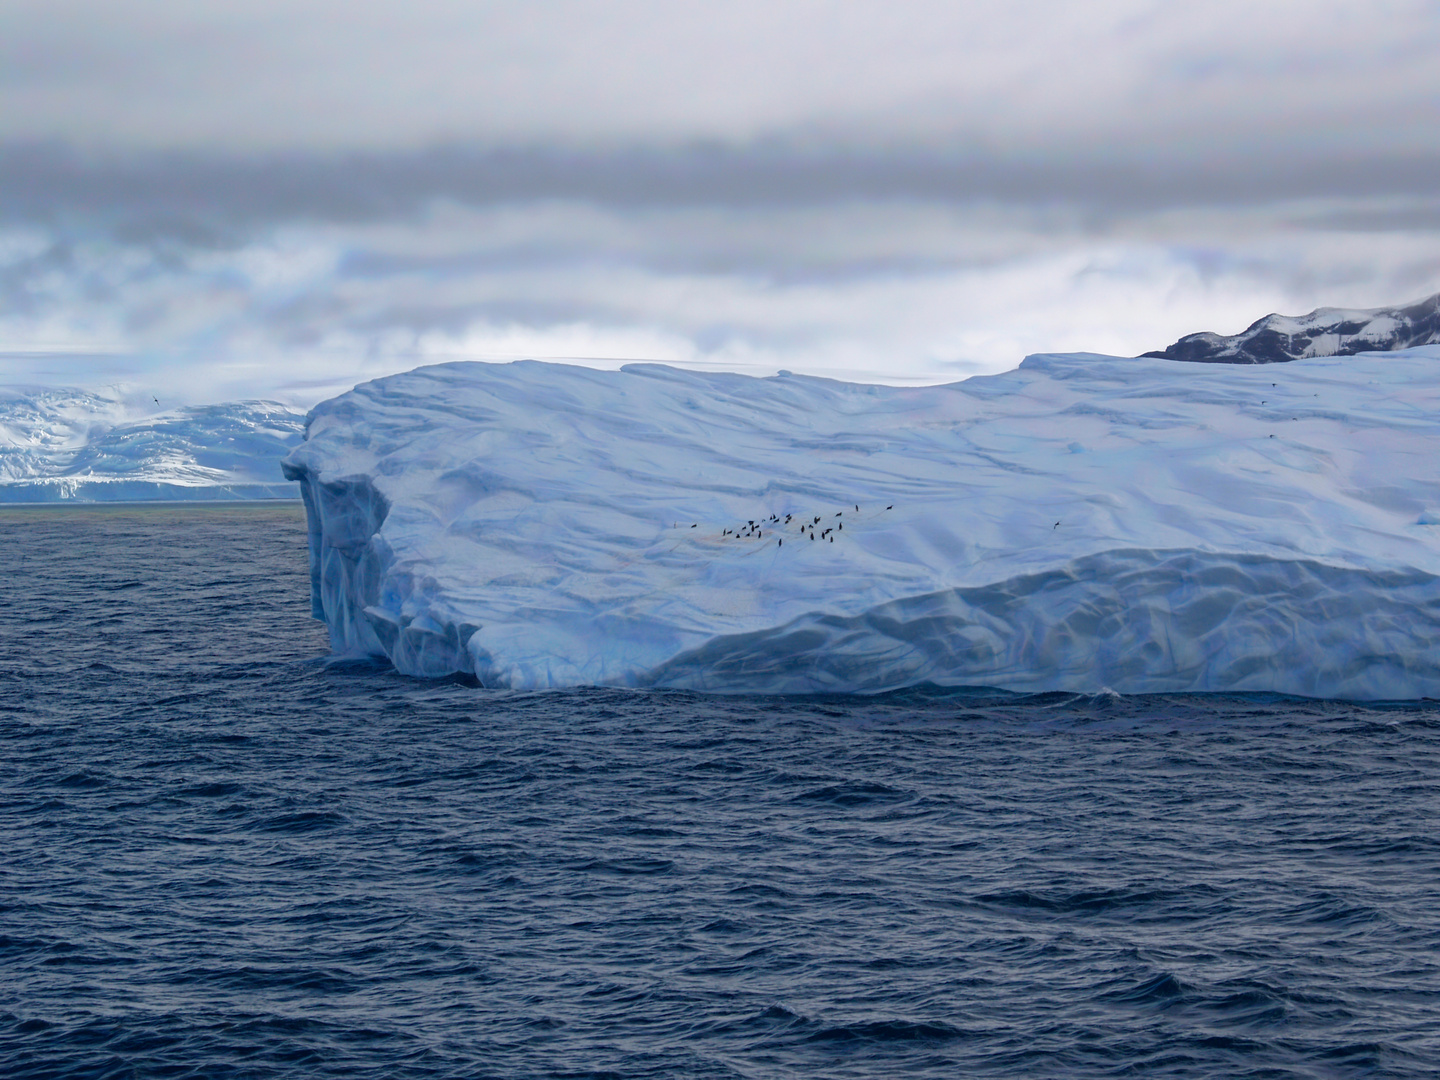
<point>58,444</point>
<point>1324,332</point>
<point>1079,523</point>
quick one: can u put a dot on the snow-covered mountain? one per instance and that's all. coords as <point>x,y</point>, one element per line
<point>1079,523</point>
<point>1324,332</point>
<point>73,445</point>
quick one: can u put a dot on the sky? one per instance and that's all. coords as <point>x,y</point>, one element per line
<point>210,201</point>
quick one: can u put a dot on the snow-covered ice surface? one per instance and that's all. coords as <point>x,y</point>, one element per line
<point>73,445</point>
<point>1080,523</point>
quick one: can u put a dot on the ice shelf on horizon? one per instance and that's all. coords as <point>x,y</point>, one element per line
<point>1080,523</point>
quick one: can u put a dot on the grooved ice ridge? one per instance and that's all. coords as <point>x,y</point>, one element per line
<point>1080,523</point>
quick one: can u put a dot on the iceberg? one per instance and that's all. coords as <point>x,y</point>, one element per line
<point>65,445</point>
<point>1081,523</point>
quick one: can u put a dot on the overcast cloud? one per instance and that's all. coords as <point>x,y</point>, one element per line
<point>278,199</point>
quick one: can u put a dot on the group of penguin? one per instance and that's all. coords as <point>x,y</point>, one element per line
<point>838,526</point>
<point>755,530</point>
<point>751,530</point>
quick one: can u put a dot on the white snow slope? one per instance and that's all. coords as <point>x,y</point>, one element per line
<point>72,445</point>
<point>1080,523</point>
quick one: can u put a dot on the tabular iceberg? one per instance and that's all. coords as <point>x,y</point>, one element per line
<point>1081,522</point>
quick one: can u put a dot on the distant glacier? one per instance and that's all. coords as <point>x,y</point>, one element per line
<point>1079,524</point>
<point>65,445</point>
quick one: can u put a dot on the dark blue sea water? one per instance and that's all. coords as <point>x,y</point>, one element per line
<point>223,856</point>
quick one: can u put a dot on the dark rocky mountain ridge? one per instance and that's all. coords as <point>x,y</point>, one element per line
<point>1326,331</point>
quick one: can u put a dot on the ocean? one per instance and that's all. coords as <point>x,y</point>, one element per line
<point>225,854</point>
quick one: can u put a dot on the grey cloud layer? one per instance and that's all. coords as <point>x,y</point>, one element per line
<point>1022,76</point>
<point>44,181</point>
<point>253,113</point>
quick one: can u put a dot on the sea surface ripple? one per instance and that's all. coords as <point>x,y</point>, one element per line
<point>226,855</point>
